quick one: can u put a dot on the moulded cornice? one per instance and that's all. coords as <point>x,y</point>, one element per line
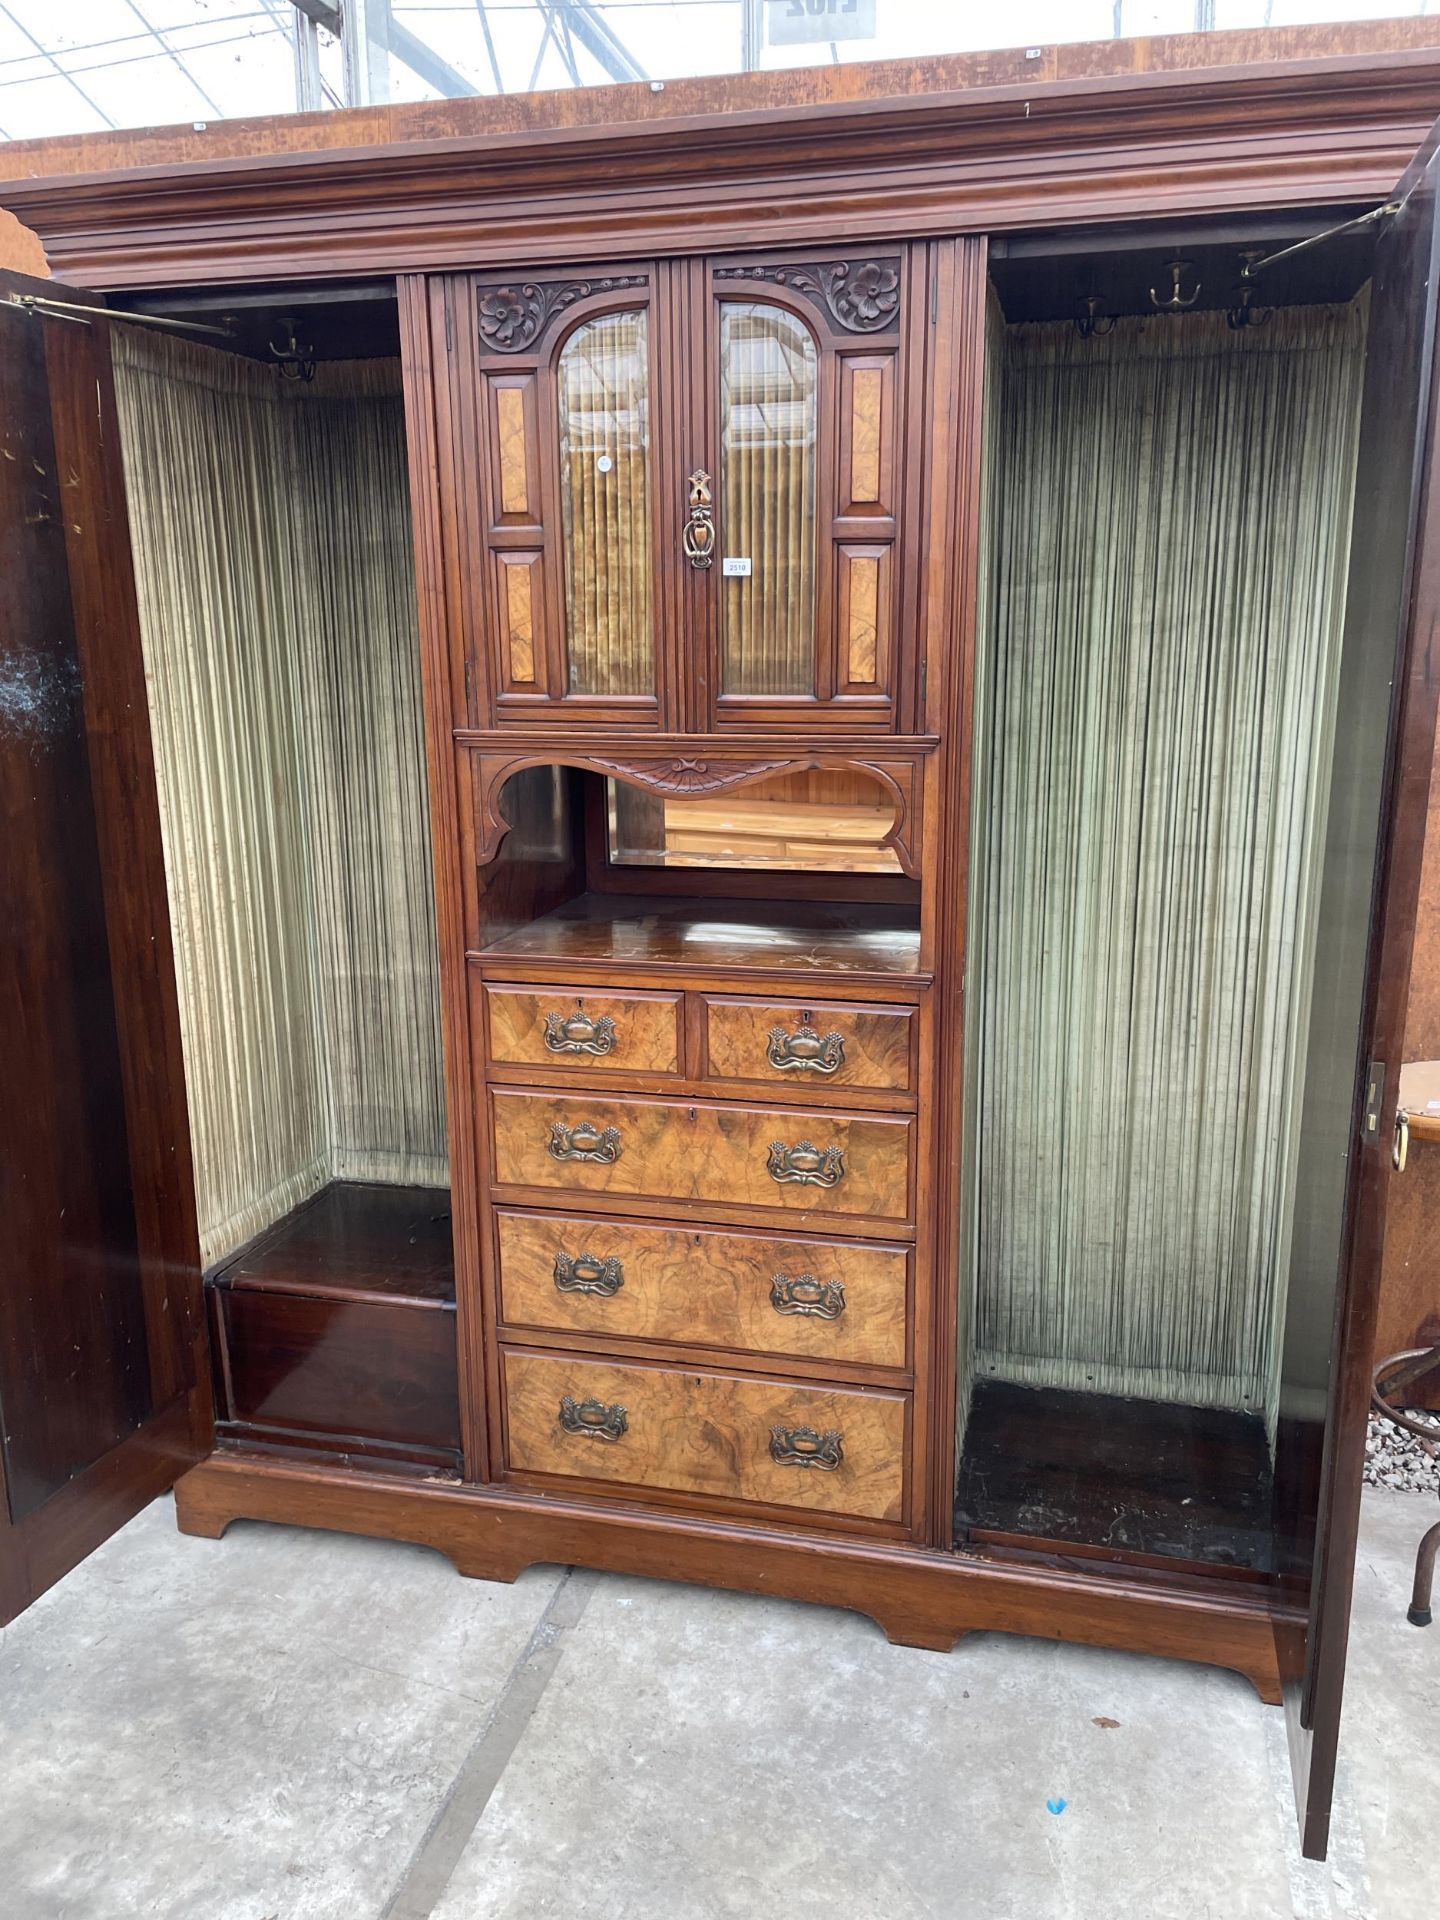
<point>1302,132</point>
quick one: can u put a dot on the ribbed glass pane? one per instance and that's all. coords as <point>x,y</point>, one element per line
<point>604,399</point>
<point>768,377</point>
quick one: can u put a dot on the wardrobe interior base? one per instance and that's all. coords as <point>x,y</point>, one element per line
<point>335,1329</point>
<point>1143,1477</point>
<point>919,1597</point>
<point>355,1238</point>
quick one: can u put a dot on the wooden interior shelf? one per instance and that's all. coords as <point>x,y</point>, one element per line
<point>798,936</point>
<point>357,1241</point>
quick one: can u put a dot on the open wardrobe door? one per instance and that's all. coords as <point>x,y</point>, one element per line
<point>1380,774</point>
<point>104,1377</point>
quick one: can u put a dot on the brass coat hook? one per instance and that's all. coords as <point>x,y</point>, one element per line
<point>1176,301</point>
<point>1089,322</point>
<point>1244,313</point>
<point>296,362</point>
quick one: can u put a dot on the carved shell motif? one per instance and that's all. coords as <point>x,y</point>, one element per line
<point>862,296</point>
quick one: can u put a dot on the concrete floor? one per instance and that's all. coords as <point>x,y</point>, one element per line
<point>300,1726</point>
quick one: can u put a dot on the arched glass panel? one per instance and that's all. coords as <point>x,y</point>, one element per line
<point>768,418</point>
<point>604,403</point>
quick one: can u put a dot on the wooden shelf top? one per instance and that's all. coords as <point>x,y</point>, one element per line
<point>799,936</point>
<point>356,1240</point>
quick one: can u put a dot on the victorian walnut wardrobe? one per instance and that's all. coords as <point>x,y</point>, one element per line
<point>712,824</point>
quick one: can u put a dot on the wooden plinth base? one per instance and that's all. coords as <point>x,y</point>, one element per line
<point>919,1598</point>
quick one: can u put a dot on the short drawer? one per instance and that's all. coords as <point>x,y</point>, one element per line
<point>347,1368</point>
<point>759,1293</point>
<point>568,1027</point>
<point>810,1049</point>
<point>836,1163</point>
<point>831,1449</point>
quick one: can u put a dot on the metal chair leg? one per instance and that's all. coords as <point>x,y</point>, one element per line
<point>1419,1612</point>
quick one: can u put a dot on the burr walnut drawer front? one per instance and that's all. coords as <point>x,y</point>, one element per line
<point>810,1049</point>
<point>839,1163</point>
<point>834,1450</point>
<point>755,1292</point>
<point>567,1027</point>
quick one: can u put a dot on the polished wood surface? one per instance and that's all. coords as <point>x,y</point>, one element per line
<point>703,1152</point>
<point>920,1599</point>
<point>800,937</point>
<point>357,1239</point>
<point>769,1294</point>
<point>340,1367</point>
<point>809,1047</point>
<point>1295,129</point>
<point>1379,786</point>
<point>707,1433</point>
<point>103,1392</point>
<point>562,1027</point>
<point>391,125</point>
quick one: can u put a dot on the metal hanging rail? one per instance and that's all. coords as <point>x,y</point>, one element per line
<point>41,303</point>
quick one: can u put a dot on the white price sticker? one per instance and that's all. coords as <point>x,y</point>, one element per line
<point>734,567</point>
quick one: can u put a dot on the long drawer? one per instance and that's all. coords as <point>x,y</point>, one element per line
<point>809,1049</point>
<point>753,1292</point>
<point>831,1449</point>
<point>835,1163</point>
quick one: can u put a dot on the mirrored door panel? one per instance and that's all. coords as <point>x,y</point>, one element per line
<point>569,419</point>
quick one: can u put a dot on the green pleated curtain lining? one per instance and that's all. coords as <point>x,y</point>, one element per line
<point>1167,516</point>
<point>271,529</point>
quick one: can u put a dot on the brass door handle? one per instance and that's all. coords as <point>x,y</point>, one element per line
<point>1400,1145</point>
<point>805,1050</point>
<point>588,1273</point>
<point>698,537</point>
<point>805,1165</point>
<point>593,1419</point>
<point>584,1141</point>
<point>577,1033</point>
<point>804,1447</point>
<point>803,1293</point>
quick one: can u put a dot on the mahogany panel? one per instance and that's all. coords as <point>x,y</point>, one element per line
<point>855,1164</point>
<point>831,1450</point>
<point>764,1293</point>
<point>339,1366</point>
<point>954,159</point>
<point>575,1030</point>
<point>809,1047</point>
<point>920,1598</point>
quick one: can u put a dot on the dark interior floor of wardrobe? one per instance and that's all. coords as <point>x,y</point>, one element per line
<point>1144,1477</point>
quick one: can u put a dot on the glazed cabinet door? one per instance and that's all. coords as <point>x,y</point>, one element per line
<point>567,411</point>
<point>1374,833</point>
<point>104,1374</point>
<point>806,471</point>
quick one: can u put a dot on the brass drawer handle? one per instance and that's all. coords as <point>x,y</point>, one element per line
<point>584,1141</point>
<point>593,1418</point>
<point>577,1033</point>
<point>805,1050</point>
<point>588,1273</point>
<point>805,1165</point>
<point>804,1447</point>
<point>803,1293</point>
